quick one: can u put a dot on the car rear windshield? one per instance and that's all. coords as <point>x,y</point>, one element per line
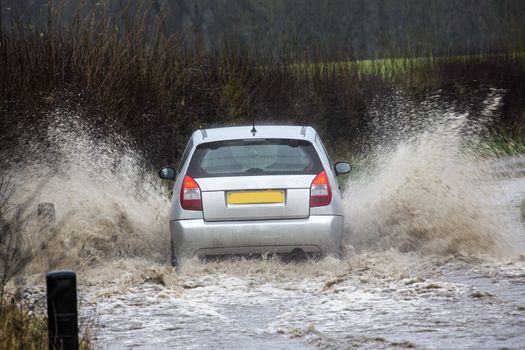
<point>254,157</point>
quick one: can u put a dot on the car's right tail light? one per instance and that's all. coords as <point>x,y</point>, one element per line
<point>320,191</point>
<point>190,194</point>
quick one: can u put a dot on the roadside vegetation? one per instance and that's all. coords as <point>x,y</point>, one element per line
<point>24,326</point>
<point>501,145</point>
<point>23,320</point>
<point>129,76</point>
<point>21,326</point>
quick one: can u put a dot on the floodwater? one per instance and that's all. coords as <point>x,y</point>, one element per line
<point>434,244</point>
<point>457,305</point>
<point>380,300</point>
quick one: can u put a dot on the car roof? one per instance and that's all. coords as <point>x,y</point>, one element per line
<point>263,131</point>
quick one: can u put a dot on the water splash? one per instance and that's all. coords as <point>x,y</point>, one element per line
<point>425,187</point>
<point>108,203</point>
<point>422,187</point>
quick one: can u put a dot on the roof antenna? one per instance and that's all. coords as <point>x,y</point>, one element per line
<point>253,131</point>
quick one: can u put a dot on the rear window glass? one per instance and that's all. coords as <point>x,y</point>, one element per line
<point>254,157</point>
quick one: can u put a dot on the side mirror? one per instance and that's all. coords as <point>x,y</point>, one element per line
<point>342,168</point>
<point>168,173</point>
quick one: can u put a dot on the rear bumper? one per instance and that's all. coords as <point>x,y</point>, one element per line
<point>322,233</point>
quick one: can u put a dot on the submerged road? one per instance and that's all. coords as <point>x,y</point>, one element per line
<point>382,300</point>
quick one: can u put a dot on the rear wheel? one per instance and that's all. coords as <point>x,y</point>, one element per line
<point>174,261</point>
<point>295,256</point>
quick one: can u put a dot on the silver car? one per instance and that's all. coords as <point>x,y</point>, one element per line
<point>244,190</point>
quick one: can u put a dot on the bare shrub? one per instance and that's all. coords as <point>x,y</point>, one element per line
<point>14,254</point>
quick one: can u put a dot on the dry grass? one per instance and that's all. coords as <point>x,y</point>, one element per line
<point>21,327</point>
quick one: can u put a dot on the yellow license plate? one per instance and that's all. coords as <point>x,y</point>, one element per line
<point>256,197</point>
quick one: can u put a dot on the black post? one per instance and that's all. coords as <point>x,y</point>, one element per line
<point>62,317</point>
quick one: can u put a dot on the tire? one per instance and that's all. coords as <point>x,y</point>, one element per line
<point>295,256</point>
<point>174,260</point>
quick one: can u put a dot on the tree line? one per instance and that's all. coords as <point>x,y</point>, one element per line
<point>357,28</point>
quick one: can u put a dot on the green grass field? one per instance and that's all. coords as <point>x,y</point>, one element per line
<point>401,67</point>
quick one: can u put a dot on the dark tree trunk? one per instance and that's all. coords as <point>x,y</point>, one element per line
<point>1,16</point>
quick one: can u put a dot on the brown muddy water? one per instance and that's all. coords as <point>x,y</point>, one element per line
<point>434,245</point>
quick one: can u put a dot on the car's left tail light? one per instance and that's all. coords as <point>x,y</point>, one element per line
<point>320,191</point>
<point>190,194</point>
